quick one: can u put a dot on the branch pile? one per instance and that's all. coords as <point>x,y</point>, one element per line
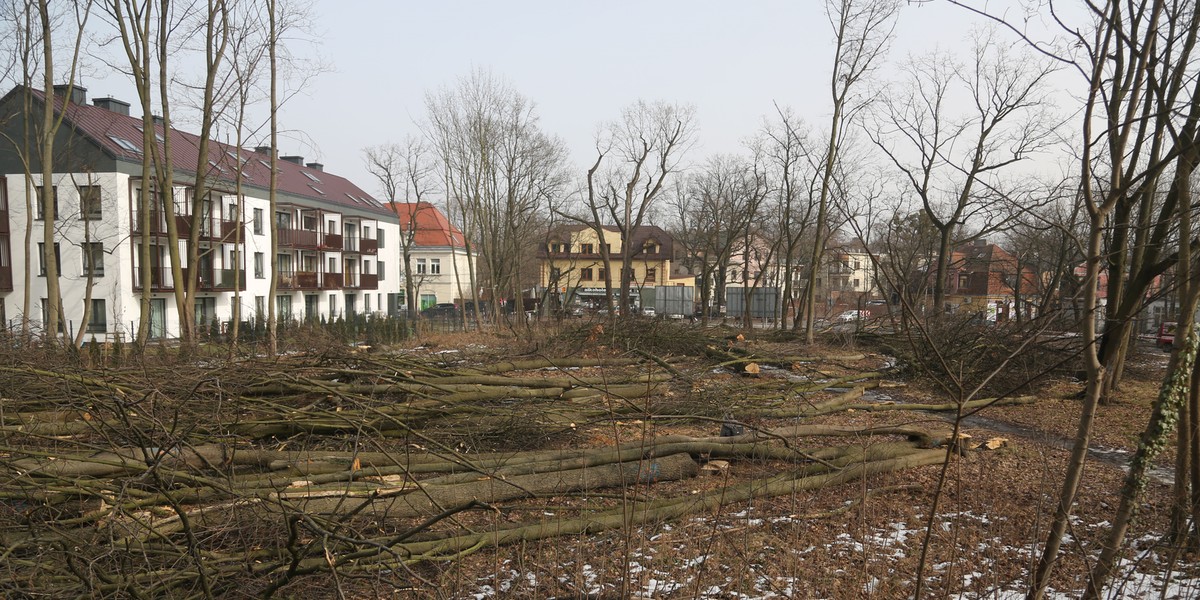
<point>194,480</point>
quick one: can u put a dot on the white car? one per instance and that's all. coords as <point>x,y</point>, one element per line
<point>851,316</point>
<point>648,311</point>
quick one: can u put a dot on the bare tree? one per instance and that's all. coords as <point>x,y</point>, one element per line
<point>79,11</point>
<point>957,159</point>
<point>635,156</point>
<point>862,32</point>
<point>715,213</point>
<point>405,172</point>
<point>501,173</point>
<point>788,157</point>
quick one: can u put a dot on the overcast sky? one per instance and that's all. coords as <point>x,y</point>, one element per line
<point>579,62</point>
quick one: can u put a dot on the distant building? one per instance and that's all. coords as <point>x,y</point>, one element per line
<point>984,278</point>
<point>441,268</point>
<point>571,264</point>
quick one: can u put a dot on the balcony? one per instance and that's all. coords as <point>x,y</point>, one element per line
<point>298,238</point>
<point>6,282</point>
<point>369,246</point>
<point>309,281</point>
<point>212,231</point>
<point>332,242</point>
<point>160,279</point>
<point>368,281</point>
<point>219,280</point>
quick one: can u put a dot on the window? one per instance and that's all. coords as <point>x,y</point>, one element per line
<point>205,311</point>
<point>89,203</point>
<point>382,268</point>
<point>555,248</point>
<point>233,212</point>
<point>856,284</point>
<point>585,274</point>
<point>555,273</point>
<point>97,317</point>
<point>283,307</point>
<point>46,316</point>
<point>311,176</point>
<point>650,248</point>
<point>93,259</point>
<point>41,213</point>
<point>260,307</point>
<point>258,221</point>
<point>259,259</point>
<point>602,274</point>
<point>367,302</point>
<point>421,267</point>
<point>435,266</point>
<point>964,281</point>
<point>630,274</point>
<point>651,274</point>
<point>125,144</point>
<point>332,265</point>
<point>379,238</point>
<point>42,259</point>
<point>587,248</point>
<point>332,306</point>
<point>308,222</point>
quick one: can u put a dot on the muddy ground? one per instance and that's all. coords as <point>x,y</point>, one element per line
<point>860,538</point>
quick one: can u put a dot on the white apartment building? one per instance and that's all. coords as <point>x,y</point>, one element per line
<point>333,236</point>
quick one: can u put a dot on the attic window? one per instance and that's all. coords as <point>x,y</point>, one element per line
<point>239,159</point>
<point>316,189</point>
<point>216,166</point>
<point>125,144</point>
<point>157,136</point>
<point>311,176</point>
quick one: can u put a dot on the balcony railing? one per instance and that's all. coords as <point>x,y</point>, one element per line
<point>298,238</point>
<point>160,279</point>
<point>3,220</point>
<point>218,280</point>
<point>309,280</point>
<point>212,231</point>
<point>332,241</point>
<point>6,282</point>
<point>368,281</point>
<point>369,246</point>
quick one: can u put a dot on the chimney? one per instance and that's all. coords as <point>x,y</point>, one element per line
<point>112,104</point>
<point>158,120</point>
<point>296,160</point>
<point>78,93</point>
<point>262,150</point>
<point>981,242</point>
<point>316,166</point>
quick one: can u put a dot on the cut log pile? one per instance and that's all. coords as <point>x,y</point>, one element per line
<point>199,479</point>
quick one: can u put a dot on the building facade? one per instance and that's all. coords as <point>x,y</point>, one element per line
<point>332,236</point>
<point>441,269</point>
<point>571,264</point>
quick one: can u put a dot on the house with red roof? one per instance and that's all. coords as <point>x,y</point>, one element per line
<point>333,242</point>
<point>433,255</point>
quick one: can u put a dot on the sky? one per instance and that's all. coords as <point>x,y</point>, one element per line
<point>579,62</point>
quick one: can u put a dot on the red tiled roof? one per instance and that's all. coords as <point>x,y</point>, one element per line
<point>121,136</point>
<point>431,229</point>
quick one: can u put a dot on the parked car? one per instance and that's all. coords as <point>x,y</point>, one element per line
<point>648,311</point>
<point>851,316</point>
<point>1166,336</point>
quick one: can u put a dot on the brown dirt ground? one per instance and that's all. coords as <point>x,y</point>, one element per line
<point>842,542</point>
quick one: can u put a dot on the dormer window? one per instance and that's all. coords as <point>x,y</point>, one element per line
<point>650,248</point>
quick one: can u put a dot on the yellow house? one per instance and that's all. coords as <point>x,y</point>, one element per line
<point>572,262</point>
